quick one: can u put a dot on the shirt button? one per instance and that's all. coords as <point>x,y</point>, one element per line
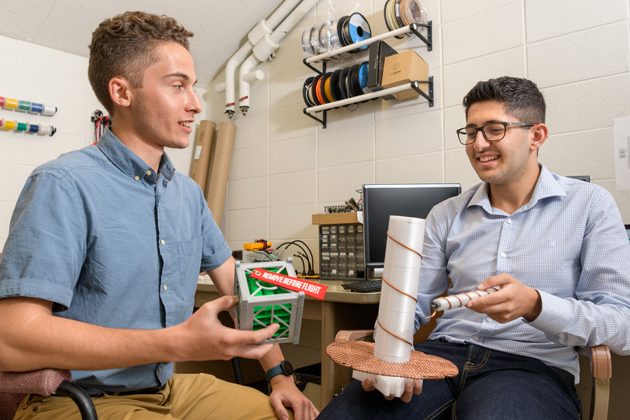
<point>165,287</point>
<point>137,178</point>
<point>509,220</point>
<point>162,242</point>
<point>503,254</point>
<point>148,172</point>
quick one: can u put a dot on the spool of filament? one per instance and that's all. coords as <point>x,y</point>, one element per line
<point>359,28</point>
<point>21,126</point>
<point>33,128</point>
<point>24,106</point>
<point>363,76</point>
<point>46,130</point>
<point>9,125</point>
<point>49,110</point>
<point>1,123</point>
<point>1,101</point>
<point>37,108</point>
<point>10,103</point>
<point>305,88</point>
<point>334,85</point>
<point>306,42</point>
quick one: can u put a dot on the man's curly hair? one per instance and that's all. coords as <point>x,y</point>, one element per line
<point>124,46</point>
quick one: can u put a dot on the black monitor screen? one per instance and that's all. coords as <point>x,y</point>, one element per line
<point>383,200</point>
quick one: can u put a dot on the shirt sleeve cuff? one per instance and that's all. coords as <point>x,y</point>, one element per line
<point>555,315</point>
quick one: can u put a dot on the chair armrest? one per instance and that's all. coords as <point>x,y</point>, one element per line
<point>353,335</point>
<point>601,363</point>
<point>601,371</point>
<point>42,382</point>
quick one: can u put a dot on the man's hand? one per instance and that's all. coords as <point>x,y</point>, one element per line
<point>412,387</point>
<point>203,337</point>
<point>284,393</point>
<point>513,301</point>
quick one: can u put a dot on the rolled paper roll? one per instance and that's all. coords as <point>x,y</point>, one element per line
<point>457,301</point>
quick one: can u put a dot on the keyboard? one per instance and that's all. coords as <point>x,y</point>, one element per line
<point>363,286</point>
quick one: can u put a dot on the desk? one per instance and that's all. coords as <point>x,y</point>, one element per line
<point>340,310</point>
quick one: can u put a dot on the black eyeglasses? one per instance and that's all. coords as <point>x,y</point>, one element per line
<point>492,131</point>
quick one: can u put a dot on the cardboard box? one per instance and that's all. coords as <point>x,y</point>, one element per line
<point>403,68</point>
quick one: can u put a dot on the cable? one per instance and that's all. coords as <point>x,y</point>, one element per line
<point>296,243</point>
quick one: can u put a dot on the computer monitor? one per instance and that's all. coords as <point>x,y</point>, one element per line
<point>383,200</point>
<point>585,178</point>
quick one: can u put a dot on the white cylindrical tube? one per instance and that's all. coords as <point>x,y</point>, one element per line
<point>394,331</point>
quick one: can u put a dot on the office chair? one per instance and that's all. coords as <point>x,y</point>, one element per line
<point>600,362</point>
<point>15,385</point>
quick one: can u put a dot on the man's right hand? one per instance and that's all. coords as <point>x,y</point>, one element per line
<point>412,387</point>
<point>203,337</point>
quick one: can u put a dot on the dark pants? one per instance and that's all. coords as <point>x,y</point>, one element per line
<point>490,385</point>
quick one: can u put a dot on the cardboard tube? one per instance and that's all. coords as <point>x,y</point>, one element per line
<point>204,138</point>
<point>220,169</point>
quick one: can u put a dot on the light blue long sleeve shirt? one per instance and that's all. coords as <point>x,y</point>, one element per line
<point>568,242</point>
<point>111,242</point>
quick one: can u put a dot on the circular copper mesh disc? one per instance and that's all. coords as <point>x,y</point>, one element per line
<point>359,355</point>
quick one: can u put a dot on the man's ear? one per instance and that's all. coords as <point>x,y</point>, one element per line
<point>120,91</point>
<point>538,136</point>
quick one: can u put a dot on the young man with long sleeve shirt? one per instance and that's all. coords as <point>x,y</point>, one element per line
<point>557,248</point>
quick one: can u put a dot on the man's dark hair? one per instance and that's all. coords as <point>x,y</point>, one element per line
<point>124,46</point>
<point>521,97</point>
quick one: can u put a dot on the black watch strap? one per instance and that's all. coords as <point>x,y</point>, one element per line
<point>283,368</point>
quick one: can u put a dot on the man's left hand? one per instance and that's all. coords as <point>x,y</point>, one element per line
<point>513,301</point>
<point>284,394</point>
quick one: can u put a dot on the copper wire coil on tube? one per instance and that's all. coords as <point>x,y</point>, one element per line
<point>220,169</point>
<point>202,148</point>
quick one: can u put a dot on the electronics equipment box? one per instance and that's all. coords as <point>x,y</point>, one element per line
<point>405,67</point>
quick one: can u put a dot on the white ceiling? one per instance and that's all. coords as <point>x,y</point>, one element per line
<point>67,25</point>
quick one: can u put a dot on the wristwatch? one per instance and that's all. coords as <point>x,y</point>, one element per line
<point>284,368</point>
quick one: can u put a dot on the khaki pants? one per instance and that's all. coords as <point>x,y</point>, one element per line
<point>185,396</point>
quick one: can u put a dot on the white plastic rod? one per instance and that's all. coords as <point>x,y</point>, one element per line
<point>266,47</point>
<point>263,28</point>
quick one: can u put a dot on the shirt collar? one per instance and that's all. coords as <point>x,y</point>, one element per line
<point>546,186</point>
<point>129,163</point>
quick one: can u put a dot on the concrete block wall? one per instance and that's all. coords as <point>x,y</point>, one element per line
<point>287,167</point>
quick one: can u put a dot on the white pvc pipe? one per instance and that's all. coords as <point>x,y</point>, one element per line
<point>266,47</point>
<point>260,30</point>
